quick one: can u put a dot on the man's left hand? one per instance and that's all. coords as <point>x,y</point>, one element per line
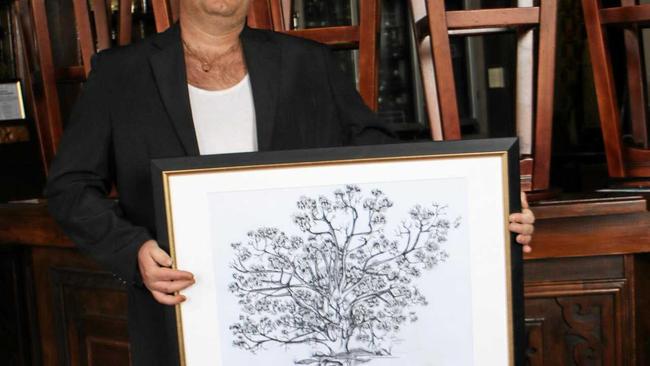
<point>522,224</point>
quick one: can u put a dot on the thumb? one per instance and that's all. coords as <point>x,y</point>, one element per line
<point>161,257</point>
<point>524,200</point>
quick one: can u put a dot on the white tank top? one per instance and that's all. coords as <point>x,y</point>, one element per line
<point>224,119</point>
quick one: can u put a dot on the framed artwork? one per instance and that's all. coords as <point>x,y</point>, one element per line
<point>377,255</point>
<point>12,106</point>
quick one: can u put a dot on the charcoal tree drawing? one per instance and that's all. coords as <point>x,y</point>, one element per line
<point>344,284</point>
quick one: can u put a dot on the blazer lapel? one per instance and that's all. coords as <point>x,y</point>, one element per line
<point>263,60</point>
<point>168,66</point>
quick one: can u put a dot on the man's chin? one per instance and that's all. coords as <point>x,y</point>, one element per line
<point>219,8</point>
<point>220,11</point>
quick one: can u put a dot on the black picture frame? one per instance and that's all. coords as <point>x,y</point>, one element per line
<point>505,148</point>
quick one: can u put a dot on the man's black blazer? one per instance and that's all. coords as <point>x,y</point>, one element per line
<point>135,107</point>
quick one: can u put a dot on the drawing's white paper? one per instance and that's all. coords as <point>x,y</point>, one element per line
<point>468,326</point>
<point>443,324</point>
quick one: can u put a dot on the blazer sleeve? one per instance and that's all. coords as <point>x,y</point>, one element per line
<point>362,125</point>
<point>80,179</point>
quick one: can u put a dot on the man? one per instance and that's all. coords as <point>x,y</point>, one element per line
<point>207,85</point>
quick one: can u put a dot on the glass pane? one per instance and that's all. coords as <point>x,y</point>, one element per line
<point>142,20</point>
<point>484,4</point>
<point>144,23</point>
<point>485,75</point>
<point>324,13</point>
<point>396,87</point>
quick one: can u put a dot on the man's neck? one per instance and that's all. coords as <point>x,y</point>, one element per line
<point>216,34</point>
<point>213,53</point>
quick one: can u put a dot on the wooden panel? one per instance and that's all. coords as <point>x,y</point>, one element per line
<point>631,334</point>
<point>492,18</point>
<point>591,227</point>
<point>642,308</point>
<point>107,352</point>
<point>91,313</point>
<point>589,236</point>
<point>637,162</point>
<point>615,224</point>
<point>581,323</point>
<point>65,318</point>
<point>575,307</point>
<point>30,224</point>
<point>571,269</point>
<point>17,327</point>
<point>589,207</point>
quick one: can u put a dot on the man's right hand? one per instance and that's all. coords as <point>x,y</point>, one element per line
<point>158,276</point>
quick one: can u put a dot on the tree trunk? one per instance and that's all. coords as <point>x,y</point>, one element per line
<point>344,344</point>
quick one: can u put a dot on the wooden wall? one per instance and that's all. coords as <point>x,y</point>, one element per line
<point>587,306</point>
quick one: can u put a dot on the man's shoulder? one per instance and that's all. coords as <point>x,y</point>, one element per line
<point>135,56</point>
<point>124,56</point>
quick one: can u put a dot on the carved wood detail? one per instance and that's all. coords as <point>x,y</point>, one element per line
<point>584,317</point>
<point>583,322</point>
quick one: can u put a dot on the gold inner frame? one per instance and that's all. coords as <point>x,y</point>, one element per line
<point>166,175</point>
